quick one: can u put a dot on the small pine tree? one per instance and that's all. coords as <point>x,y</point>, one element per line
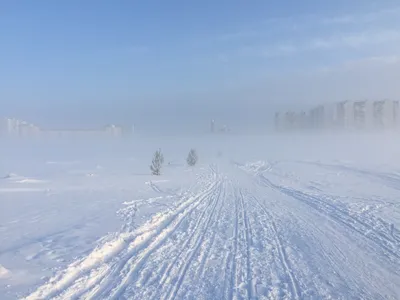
<point>192,158</point>
<point>157,162</point>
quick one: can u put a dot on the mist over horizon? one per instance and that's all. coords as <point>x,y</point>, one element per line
<point>91,65</point>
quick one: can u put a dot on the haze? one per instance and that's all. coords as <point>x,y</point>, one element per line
<point>75,64</point>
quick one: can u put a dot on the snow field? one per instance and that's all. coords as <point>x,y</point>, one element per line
<point>273,223</point>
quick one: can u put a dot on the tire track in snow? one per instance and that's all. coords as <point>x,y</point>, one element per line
<point>323,259</point>
<point>104,285</point>
<point>294,286</point>
<point>210,247</point>
<point>206,280</point>
<point>389,180</point>
<point>348,275</point>
<point>166,276</point>
<point>241,276</point>
<point>134,261</point>
<point>174,289</point>
<point>389,235</point>
<point>249,284</point>
<point>134,267</point>
<point>355,288</point>
<point>104,263</point>
<point>233,266</point>
<point>339,216</point>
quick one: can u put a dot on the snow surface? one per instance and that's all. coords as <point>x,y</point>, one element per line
<point>260,217</point>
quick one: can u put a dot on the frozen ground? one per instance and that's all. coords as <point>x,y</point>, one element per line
<point>289,217</point>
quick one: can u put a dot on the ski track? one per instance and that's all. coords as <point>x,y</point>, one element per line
<point>191,254</point>
<point>211,243</point>
<point>391,233</point>
<point>132,267</point>
<point>97,272</point>
<point>388,179</point>
<point>190,249</point>
<point>381,246</point>
<point>323,203</point>
<point>294,288</point>
<point>388,245</point>
<point>223,239</point>
<point>245,231</point>
<point>233,256</point>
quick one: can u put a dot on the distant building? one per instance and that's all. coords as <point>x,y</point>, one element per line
<point>318,117</point>
<point>386,114</point>
<point>345,114</point>
<point>362,115</point>
<point>3,126</point>
<point>15,127</point>
<point>113,130</point>
<point>278,121</point>
<point>288,120</point>
<point>212,127</point>
<point>28,130</point>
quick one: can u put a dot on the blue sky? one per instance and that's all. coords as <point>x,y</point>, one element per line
<point>84,63</point>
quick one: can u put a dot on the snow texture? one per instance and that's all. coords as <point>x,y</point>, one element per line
<point>318,220</point>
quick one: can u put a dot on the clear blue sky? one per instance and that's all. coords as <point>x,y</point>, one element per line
<point>66,63</point>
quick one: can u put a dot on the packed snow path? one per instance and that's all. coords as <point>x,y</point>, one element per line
<point>243,232</point>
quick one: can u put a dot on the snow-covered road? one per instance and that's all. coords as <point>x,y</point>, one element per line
<point>282,230</point>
